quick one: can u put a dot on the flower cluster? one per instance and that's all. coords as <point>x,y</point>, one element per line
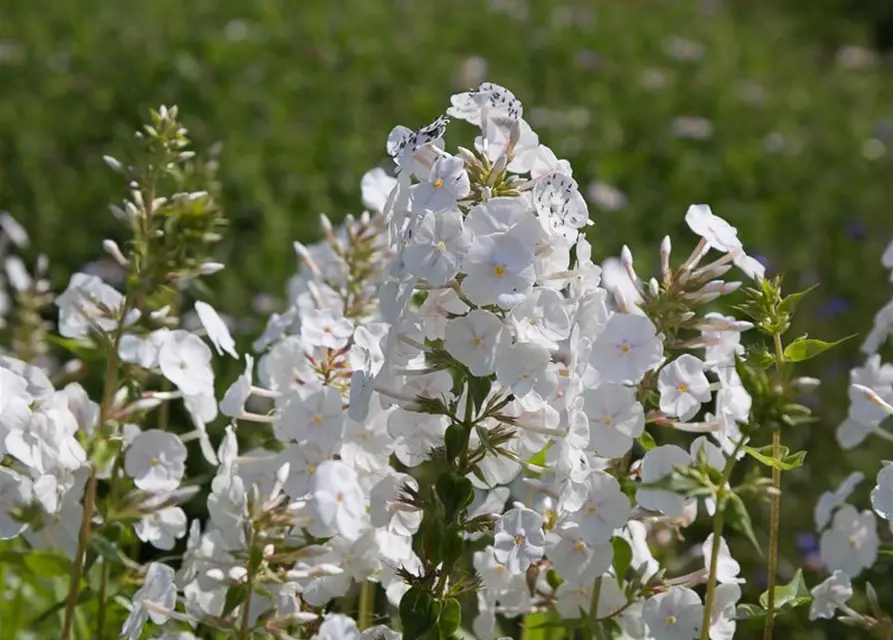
<point>457,404</point>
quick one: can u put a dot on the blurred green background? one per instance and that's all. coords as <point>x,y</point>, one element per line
<point>778,114</point>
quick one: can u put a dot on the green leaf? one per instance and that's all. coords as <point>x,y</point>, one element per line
<point>450,618</point>
<point>790,595</point>
<point>739,519</point>
<point>455,494</point>
<point>234,597</point>
<point>110,552</point>
<point>419,613</point>
<point>46,564</point>
<point>786,462</point>
<point>479,389</point>
<point>646,441</point>
<point>623,557</point>
<point>790,303</point>
<point>85,594</point>
<point>453,440</point>
<point>749,612</point>
<point>804,348</point>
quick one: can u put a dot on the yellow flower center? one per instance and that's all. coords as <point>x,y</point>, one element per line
<point>682,387</point>
<point>671,621</point>
<point>477,341</point>
<point>499,271</point>
<point>340,497</point>
<point>440,246</point>
<point>317,419</point>
<point>519,540</point>
<point>154,462</point>
<point>607,421</point>
<point>624,348</point>
<point>591,510</point>
<point>438,183</point>
<point>579,545</point>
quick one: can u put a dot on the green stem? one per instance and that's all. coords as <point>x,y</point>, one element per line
<point>775,509</point>
<point>245,632</point>
<point>593,603</point>
<point>108,396</point>
<point>718,523</point>
<point>367,605</point>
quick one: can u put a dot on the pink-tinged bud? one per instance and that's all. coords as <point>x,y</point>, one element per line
<point>731,287</point>
<point>626,259</point>
<point>872,396</point>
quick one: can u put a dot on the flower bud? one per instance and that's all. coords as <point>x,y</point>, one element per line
<point>666,247</point>
<point>209,268</point>
<point>111,247</point>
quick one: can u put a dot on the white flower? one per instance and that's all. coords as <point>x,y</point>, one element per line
<point>560,205</point>
<point>142,350</point>
<point>829,595</point>
<point>15,493</point>
<point>627,348</point>
<point>155,599</point>
<point>656,465</point>
<point>338,499</point>
<point>337,626</point>
<point>500,269</point>
<point>604,509</point>
<point>475,340</point>
<point>541,319</point>
<point>727,568</point>
<point>615,419</point>
<point>446,185</point>
<point>185,360</point>
<point>882,493</point>
<point>325,328</point>
<point>376,186</point>
<point>156,461</point>
<point>439,243</point>
<point>488,101</point>
<point>675,614</point>
<point>162,528</point>
<point>851,544</point>
<point>518,539</point>
<point>722,614</point>
<point>88,302</point>
<point>218,333</point>
<point>576,595</point>
<point>386,508</point>
<point>436,310</point>
<point>574,557</point>
<point>519,367</point>
<point>315,414</point>
<point>831,500</point>
<point>683,387</point>
<point>718,233</point>
<point>233,402</point>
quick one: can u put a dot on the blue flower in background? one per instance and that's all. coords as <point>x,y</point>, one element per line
<point>856,229</point>
<point>833,307</point>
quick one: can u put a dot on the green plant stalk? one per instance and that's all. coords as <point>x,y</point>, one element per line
<point>718,523</point>
<point>367,605</point>
<point>108,395</point>
<point>245,630</point>
<point>775,509</point>
<point>593,603</point>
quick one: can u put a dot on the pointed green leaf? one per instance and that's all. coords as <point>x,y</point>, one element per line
<point>790,595</point>
<point>804,348</point>
<point>623,557</point>
<point>790,303</point>
<point>785,462</point>
<point>739,519</point>
<point>646,440</point>
<point>749,612</point>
